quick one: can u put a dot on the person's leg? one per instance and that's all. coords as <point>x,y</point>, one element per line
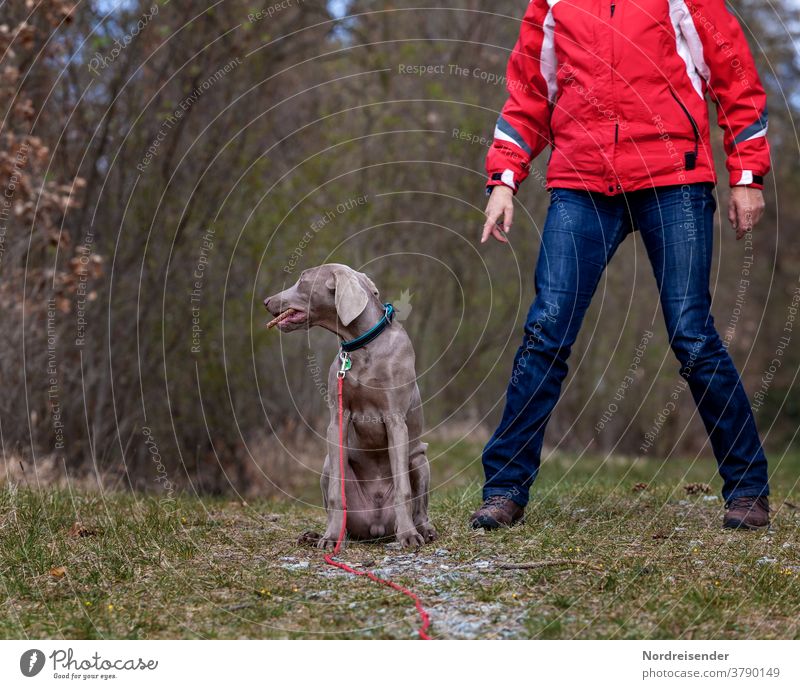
<point>677,225</point>
<point>581,233</point>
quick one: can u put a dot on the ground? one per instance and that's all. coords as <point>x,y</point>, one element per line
<point>642,562</point>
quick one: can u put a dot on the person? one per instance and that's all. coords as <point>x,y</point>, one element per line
<point>617,90</point>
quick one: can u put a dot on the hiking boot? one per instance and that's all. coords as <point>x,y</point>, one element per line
<point>748,512</point>
<point>496,512</point>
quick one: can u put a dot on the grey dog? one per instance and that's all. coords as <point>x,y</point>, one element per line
<point>387,476</point>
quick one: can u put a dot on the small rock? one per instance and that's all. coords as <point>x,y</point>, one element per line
<point>441,552</point>
<point>766,560</point>
<point>710,498</point>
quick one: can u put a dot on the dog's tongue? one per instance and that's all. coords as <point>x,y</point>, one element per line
<point>280,317</point>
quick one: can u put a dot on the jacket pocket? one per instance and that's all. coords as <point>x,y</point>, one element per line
<point>690,157</point>
<point>690,119</point>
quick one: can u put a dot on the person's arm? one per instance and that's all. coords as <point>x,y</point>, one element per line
<point>522,130</point>
<point>723,59</point>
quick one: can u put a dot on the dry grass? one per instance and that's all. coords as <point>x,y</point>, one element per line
<point>659,565</point>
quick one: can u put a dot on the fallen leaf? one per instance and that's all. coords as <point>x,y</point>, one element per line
<point>695,488</point>
<point>58,572</point>
<point>80,531</point>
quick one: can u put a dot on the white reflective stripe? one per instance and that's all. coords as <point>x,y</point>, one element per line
<point>747,178</point>
<point>688,44</point>
<point>547,57</point>
<point>758,134</point>
<point>507,178</point>
<point>498,134</point>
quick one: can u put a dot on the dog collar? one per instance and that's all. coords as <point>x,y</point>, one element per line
<point>362,340</point>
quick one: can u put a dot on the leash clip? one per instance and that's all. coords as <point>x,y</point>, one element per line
<point>345,365</point>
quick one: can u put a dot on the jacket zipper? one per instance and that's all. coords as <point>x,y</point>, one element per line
<point>616,125</point>
<point>695,128</point>
<point>613,91</point>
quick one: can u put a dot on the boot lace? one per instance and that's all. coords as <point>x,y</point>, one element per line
<point>745,501</point>
<point>495,501</point>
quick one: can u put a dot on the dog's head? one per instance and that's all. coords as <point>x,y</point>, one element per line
<point>331,295</point>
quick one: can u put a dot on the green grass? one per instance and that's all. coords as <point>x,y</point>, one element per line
<point>216,568</point>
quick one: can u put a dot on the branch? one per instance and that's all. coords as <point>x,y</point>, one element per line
<point>548,563</point>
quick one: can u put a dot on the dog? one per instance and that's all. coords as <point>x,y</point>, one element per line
<point>387,475</point>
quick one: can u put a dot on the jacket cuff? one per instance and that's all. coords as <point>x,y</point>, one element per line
<point>746,178</point>
<point>506,178</point>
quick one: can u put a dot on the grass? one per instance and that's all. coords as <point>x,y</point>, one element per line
<point>658,565</point>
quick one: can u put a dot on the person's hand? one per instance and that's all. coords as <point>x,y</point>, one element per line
<point>745,209</point>
<point>499,213</point>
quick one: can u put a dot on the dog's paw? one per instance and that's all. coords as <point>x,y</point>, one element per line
<point>427,532</point>
<point>410,539</point>
<point>326,542</point>
<point>308,538</point>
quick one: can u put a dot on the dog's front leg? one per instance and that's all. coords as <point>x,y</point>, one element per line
<point>397,433</point>
<point>333,497</point>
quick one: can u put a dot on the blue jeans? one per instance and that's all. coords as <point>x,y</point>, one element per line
<point>581,233</point>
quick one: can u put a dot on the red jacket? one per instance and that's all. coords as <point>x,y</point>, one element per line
<point>617,89</point>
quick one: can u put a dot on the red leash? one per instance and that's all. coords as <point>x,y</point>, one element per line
<point>426,620</point>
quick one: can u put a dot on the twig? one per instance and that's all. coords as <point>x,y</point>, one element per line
<point>238,606</point>
<point>548,563</point>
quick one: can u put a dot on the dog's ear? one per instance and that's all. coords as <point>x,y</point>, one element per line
<point>370,284</point>
<point>349,296</point>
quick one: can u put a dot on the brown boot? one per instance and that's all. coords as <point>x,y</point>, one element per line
<point>495,513</point>
<point>748,512</point>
